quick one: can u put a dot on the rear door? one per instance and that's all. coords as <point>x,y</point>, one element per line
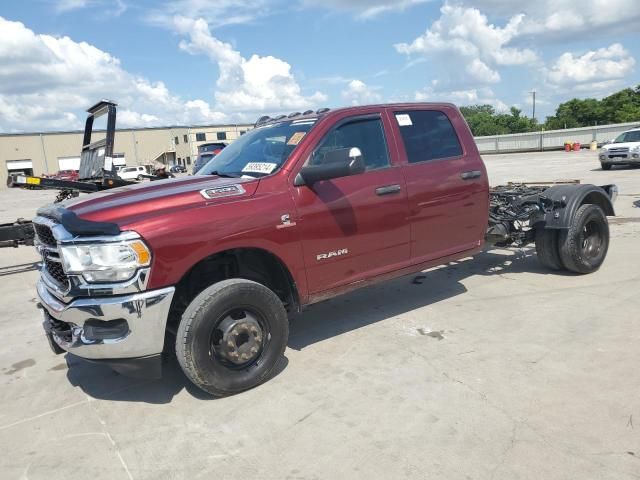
<point>354,227</point>
<point>446,184</point>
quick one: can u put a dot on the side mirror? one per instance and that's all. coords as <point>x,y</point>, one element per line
<point>337,163</point>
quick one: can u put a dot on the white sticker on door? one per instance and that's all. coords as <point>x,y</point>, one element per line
<point>404,120</point>
<point>259,167</point>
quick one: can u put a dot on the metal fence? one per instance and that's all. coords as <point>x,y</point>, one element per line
<point>551,139</point>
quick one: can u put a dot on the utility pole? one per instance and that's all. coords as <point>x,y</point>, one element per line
<point>533,92</point>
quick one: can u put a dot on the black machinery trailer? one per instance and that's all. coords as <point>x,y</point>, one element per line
<point>97,172</point>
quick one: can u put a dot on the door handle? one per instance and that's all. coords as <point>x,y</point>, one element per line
<point>470,175</point>
<point>387,190</point>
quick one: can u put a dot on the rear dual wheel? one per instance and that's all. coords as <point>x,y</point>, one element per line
<point>232,337</point>
<point>581,248</point>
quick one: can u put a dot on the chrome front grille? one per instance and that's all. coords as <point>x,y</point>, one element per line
<point>47,245</point>
<point>55,271</point>
<point>619,151</point>
<point>45,235</point>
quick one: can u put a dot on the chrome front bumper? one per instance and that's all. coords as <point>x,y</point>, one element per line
<point>145,314</point>
<point>631,158</point>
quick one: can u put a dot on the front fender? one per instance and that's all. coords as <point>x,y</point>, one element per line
<point>572,197</point>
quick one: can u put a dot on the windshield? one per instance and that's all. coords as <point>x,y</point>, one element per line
<point>632,136</point>
<point>259,152</point>
<point>202,159</point>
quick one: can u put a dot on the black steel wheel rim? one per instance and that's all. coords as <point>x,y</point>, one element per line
<point>591,239</point>
<point>238,338</point>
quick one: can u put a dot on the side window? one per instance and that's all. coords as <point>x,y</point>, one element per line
<point>427,135</point>
<point>366,134</point>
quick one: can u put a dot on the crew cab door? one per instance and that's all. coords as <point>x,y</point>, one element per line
<point>446,180</point>
<point>354,227</point>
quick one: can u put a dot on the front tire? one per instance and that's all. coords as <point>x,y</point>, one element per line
<point>139,178</point>
<point>584,245</point>
<point>232,337</point>
<point>606,166</point>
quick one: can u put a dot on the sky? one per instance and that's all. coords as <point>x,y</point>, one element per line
<point>183,62</point>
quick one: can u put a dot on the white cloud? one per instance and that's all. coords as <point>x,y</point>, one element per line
<point>68,5</point>
<point>215,12</point>
<point>46,82</point>
<point>463,39</point>
<point>365,8</point>
<point>256,84</point>
<point>472,96</point>
<point>596,69</point>
<point>359,93</point>
<point>113,8</point>
<point>561,18</point>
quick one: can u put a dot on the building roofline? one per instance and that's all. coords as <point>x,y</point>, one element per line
<point>142,129</point>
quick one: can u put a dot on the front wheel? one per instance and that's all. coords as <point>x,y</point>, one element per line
<point>232,337</point>
<point>139,178</point>
<point>584,245</point>
<point>606,166</point>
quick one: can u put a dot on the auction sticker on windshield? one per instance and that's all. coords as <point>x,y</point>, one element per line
<point>296,137</point>
<point>259,167</point>
<point>404,120</point>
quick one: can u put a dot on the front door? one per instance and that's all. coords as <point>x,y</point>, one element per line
<point>354,227</point>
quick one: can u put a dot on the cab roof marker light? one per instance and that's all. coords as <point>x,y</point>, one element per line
<point>322,110</point>
<point>262,119</point>
<point>307,112</point>
<point>294,114</point>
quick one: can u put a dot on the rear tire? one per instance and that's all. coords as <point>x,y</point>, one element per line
<point>139,178</point>
<point>547,249</point>
<point>232,337</point>
<point>584,245</point>
<point>606,166</point>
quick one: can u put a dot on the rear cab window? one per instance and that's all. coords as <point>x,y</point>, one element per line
<point>427,135</point>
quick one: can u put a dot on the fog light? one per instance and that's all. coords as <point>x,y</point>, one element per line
<point>635,155</point>
<point>96,330</point>
<point>603,157</point>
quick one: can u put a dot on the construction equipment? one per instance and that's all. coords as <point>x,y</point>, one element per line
<point>97,172</point>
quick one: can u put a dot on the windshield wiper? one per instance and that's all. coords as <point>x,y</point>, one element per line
<point>224,175</point>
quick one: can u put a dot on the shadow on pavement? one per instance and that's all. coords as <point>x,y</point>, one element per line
<point>320,322</point>
<point>14,269</point>
<point>387,300</point>
<point>100,382</point>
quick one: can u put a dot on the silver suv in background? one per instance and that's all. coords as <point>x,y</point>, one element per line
<point>624,150</point>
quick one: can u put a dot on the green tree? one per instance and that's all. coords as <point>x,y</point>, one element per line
<point>619,107</point>
<point>483,120</point>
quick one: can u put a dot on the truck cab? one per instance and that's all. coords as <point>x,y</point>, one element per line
<point>300,209</point>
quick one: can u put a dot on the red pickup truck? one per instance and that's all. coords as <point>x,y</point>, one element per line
<point>300,209</point>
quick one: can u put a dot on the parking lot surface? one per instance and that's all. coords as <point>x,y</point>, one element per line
<point>487,368</point>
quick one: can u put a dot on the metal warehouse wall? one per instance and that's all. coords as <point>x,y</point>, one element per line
<point>550,140</point>
<point>139,146</point>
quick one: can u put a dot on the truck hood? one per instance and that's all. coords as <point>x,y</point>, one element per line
<point>127,205</point>
<point>628,145</point>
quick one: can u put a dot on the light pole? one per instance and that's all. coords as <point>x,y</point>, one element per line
<point>533,116</point>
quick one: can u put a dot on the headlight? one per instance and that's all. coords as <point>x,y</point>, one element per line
<point>635,149</point>
<point>105,262</point>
